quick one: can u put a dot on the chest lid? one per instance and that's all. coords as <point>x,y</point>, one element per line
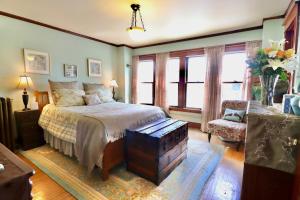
<point>159,128</point>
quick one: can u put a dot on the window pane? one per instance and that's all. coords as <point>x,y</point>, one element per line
<point>173,94</point>
<point>145,93</point>
<point>194,95</point>
<point>173,70</point>
<point>233,67</point>
<point>231,91</point>
<point>196,68</point>
<point>145,71</point>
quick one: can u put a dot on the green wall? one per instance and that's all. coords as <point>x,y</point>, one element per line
<point>273,30</point>
<point>205,42</point>
<point>63,48</point>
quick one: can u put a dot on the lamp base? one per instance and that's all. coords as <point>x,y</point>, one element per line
<point>25,98</point>
<point>26,109</point>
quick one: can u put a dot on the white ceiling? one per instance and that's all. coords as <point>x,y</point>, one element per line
<point>164,20</point>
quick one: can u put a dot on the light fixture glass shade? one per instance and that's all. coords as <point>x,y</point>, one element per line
<point>113,83</point>
<point>136,33</point>
<point>24,82</point>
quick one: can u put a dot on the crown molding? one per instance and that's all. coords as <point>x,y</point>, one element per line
<point>141,46</point>
<point>54,28</point>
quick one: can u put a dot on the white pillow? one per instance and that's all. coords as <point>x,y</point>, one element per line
<point>104,93</point>
<point>91,99</point>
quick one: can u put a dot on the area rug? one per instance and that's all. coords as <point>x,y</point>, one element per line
<point>185,182</point>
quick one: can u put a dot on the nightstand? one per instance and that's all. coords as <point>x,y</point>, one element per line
<point>30,134</point>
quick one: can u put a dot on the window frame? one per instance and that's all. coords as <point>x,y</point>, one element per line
<point>183,78</point>
<point>150,57</point>
<point>182,84</point>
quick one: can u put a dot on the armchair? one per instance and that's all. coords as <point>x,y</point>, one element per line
<point>229,131</point>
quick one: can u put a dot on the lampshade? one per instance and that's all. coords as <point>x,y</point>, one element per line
<point>113,83</point>
<point>24,82</point>
<point>136,33</point>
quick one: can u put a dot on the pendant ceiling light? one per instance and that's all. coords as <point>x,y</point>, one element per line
<point>136,32</point>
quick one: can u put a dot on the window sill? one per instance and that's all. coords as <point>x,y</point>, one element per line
<point>189,110</point>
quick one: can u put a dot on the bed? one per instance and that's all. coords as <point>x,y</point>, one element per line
<point>93,134</point>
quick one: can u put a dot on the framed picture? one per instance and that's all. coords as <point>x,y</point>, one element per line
<point>36,62</point>
<point>70,71</point>
<point>94,67</point>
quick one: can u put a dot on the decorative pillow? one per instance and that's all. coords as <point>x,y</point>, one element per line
<point>104,93</point>
<point>92,86</point>
<point>68,97</point>
<point>91,99</point>
<point>234,115</point>
<point>61,85</point>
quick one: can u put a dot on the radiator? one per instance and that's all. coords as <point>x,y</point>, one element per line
<point>6,123</point>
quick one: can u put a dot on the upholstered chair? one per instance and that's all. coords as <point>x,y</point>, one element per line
<point>229,131</point>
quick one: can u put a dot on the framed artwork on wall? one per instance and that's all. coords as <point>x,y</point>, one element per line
<point>36,62</point>
<point>70,71</point>
<point>94,67</point>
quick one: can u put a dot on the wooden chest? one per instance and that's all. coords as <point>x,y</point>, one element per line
<point>156,149</point>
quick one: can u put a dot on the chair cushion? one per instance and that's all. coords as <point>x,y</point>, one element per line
<point>229,130</point>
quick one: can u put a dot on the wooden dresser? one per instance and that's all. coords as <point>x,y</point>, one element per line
<point>155,150</point>
<point>14,180</point>
<point>30,134</point>
<point>270,153</point>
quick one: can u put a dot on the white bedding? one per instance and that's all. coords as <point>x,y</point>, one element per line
<point>90,128</point>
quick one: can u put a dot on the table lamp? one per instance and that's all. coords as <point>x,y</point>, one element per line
<point>25,83</point>
<point>113,84</point>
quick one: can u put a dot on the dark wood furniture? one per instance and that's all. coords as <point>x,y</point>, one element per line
<point>262,183</point>
<point>155,150</point>
<point>270,154</point>
<point>114,151</point>
<point>15,179</point>
<point>6,123</point>
<point>30,134</point>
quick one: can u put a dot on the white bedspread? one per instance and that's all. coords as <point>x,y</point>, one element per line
<point>90,128</point>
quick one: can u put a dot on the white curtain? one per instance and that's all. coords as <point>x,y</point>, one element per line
<point>212,85</point>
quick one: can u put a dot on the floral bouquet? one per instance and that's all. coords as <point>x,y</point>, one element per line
<point>271,63</point>
<point>273,60</point>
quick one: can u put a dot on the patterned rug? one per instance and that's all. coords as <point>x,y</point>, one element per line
<point>185,182</point>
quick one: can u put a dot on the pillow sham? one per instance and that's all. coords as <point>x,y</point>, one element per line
<point>92,86</point>
<point>234,115</point>
<point>54,86</point>
<point>104,93</point>
<point>91,99</point>
<point>68,97</point>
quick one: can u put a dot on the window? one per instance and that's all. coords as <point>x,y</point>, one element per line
<point>185,75</point>
<point>196,69</point>
<point>233,75</point>
<point>146,80</point>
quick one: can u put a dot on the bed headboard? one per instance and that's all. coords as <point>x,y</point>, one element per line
<point>42,98</point>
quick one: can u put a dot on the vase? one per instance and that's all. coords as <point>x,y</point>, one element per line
<point>267,88</point>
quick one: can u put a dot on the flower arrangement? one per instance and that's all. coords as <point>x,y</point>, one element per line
<point>273,60</point>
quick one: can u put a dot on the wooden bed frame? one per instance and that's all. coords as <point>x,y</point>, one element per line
<point>113,152</point>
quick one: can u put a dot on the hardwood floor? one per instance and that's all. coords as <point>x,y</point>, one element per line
<point>224,184</point>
